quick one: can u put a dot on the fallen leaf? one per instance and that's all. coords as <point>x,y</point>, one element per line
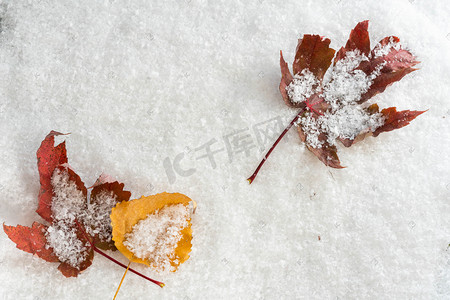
<point>314,54</point>
<point>396,119</point>
<point>115,189</point>
<point>332,100</point>
<point>127,214</point>
<point>31,239</point>
<point>48,158</point>
<point>63,201</point>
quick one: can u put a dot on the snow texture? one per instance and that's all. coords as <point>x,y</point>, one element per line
<point>145,87</point>
<point>155,238</point>
<point>96,216</point>
<point>380,51</point>
<point>344,86</point>
<point>62,237</point>
<point>68,202</point>
<point>68,205</point>
<point>303,86</point>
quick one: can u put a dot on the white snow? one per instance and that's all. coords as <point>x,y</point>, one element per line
<point>313,128</point>
<point>349,121</point>
<point>68,204</point>
<point>68,201</point>
<point>303,86</point>
<point>62,237</point>
<point>137,82</point>
<point>155,238</point>
<point>380,50</point>
<point>346,122</point>
<point>96,216</point>
<point>343,87</point>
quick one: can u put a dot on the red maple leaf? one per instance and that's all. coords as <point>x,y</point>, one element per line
<point>48,158</point>
<point>53,162</point>
<point>31,239</point>
<point>332,101</point>
<point>76,228</point>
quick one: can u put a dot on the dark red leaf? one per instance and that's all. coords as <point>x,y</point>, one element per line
<point>286,79</point>
<point>396,119</point>
<point>313,53</point>
<point>372,109</point>
<point>383,81</point>
<point>316,104</point>
<point>31,239</point>
<point>49,157</point>
<point>392,63</point>
<point>69,271</point>
<point>395,65</point>
<point>384,65</point>
<point>327,153</point>
<point>116,189</point>
<point>73,177</point>
<point>359,39</point>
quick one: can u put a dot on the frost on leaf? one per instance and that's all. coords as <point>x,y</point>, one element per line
<point>48,158</point>
<point>333,100</point>
<point>97,218</point>
<point>154,230</point>
<point>63,203</point>
<point>63,236</point>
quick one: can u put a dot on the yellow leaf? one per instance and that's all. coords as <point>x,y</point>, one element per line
<point>126,214</point>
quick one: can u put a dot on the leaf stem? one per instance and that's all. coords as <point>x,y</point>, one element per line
<point>114,260</point>
<point>121,281</point>
<point>251,178</point>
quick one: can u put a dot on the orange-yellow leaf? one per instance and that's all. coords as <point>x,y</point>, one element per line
<point>128,213</point>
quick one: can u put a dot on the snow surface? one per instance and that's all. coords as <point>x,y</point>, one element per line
<point>148,89</point>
